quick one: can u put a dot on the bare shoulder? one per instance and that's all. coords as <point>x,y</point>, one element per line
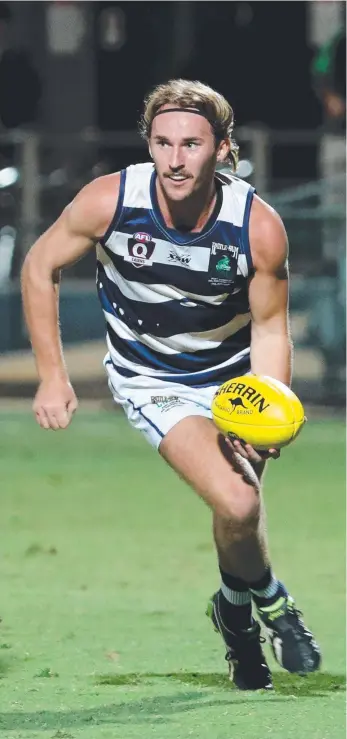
<point>93,208</point>
<point>268,238</point>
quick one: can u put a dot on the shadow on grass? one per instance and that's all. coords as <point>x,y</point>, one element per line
<point>158,709</point>
<point>162,709</point>
<point>317,684</point>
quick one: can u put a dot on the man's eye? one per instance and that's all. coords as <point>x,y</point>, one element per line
<point>192,144</point>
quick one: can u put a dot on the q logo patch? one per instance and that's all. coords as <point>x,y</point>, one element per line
<point>140,250</point>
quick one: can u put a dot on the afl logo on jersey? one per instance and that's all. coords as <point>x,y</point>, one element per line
<point>140,250</point>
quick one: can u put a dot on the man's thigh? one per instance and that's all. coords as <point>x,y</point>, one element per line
<point>178,421</point>
<point>199,453</point>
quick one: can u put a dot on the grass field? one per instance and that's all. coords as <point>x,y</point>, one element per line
<point>106,567</point>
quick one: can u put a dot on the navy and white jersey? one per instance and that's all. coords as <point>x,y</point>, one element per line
<point>176,304</point>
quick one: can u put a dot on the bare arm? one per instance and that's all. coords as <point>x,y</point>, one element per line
<point>271,345</point>
<point>74,233</point>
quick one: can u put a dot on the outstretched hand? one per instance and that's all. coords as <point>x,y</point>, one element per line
<point>248,452</point>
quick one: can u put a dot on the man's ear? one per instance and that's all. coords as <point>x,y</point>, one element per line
<point>223,150</point>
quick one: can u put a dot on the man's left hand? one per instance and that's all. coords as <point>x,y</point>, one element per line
<point>248,452</point>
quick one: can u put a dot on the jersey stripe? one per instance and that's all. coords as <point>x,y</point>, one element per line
<point>172,317</point>
<point>171,362</point>
<point>208,378</point>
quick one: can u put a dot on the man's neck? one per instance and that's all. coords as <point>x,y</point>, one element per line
<point>191,214</point>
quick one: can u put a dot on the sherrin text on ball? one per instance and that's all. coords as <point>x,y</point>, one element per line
<point>259,410</point>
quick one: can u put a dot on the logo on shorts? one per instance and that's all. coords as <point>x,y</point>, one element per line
<point>166,402</point>
<point>140,250</point>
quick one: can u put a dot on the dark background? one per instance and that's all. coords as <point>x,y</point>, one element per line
<point>255,53</point>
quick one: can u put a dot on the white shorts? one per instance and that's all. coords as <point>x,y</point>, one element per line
<point>153,406</point>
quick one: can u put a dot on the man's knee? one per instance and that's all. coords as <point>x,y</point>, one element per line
<point>240,504</point>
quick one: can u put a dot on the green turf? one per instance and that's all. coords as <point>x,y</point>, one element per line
<point>106,567</point>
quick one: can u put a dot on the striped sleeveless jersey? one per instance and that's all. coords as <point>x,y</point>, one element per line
<point>176,304</point>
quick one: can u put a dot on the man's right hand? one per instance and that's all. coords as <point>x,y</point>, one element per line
<point>55,403</point>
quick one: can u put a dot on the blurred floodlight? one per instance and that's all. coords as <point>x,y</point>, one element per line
<point>57,178</point>
<point>7,245</point>
<point>112,29</point>
<point>66,27</point>
<point>8,176</point>
<point>244,168</point>
<point>244,14</point>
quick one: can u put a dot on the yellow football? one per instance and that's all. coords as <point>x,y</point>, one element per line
<point>259,410</point>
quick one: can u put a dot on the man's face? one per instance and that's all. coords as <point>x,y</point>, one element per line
<point>184,152</point>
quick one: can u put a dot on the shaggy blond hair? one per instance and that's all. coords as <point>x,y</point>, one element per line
<point>192,94</point>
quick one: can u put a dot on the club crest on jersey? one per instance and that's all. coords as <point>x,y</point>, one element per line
<point>223,266</point>
<point>140,250</point>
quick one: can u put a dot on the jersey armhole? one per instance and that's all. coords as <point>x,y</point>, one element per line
<point>245,229</point>
<point>119,208</point>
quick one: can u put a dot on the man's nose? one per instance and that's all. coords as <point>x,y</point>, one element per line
<point>176,159</point>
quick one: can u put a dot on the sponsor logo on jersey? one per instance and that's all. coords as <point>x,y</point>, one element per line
<point>181,260</point>
<point>234,250</point>
<point>140,250</point>
<point>220,282</point>
<point>223,264</point>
